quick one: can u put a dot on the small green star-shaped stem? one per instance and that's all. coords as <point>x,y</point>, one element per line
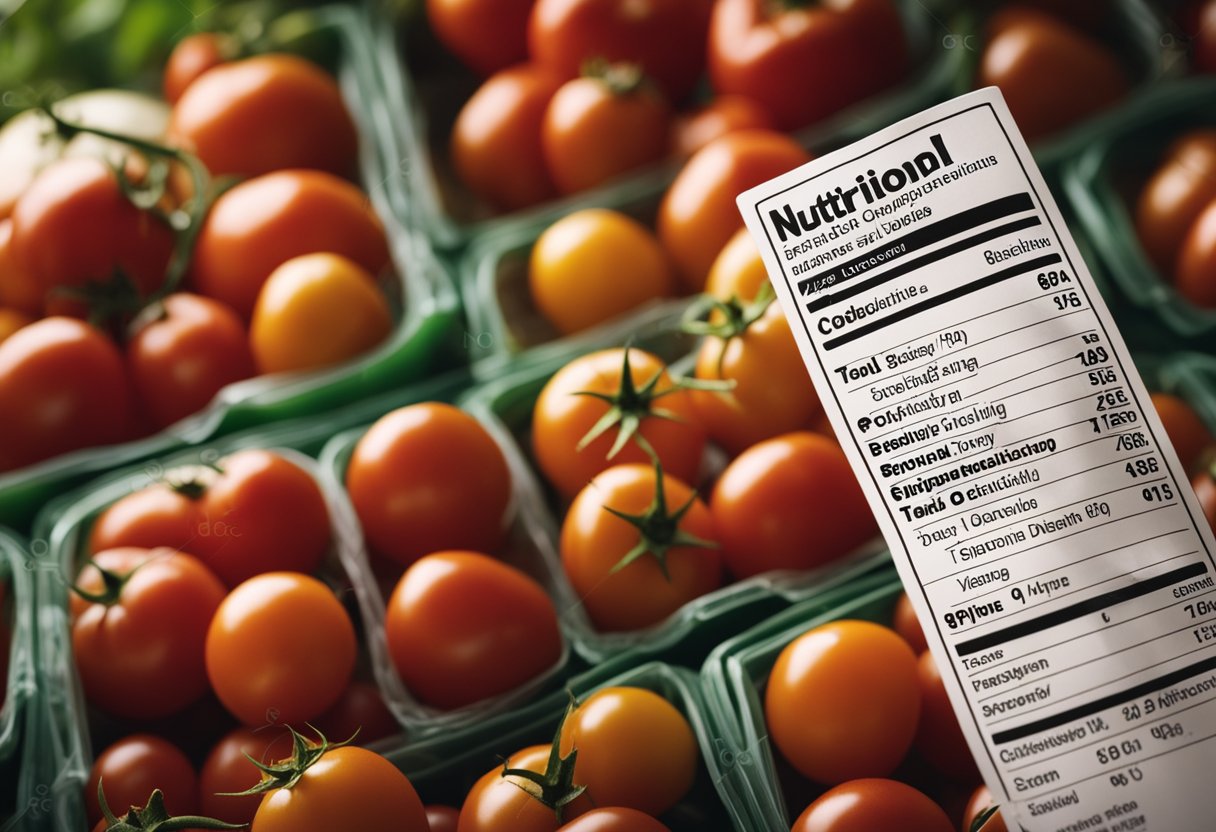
<point>554,787</point>
<point>285,774</point>
<point>734,317</point>
<point>155,818</point>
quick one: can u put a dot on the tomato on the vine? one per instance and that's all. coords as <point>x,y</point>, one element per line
<point>868,805</point>
<point>428,477</point>
<point>843,700</point>
<point>266,113</point>
<point>652,408</point>
<point>635,553</point>
<point>1175,195</point>
<point>191,57</point>
<point>803,62</point>
<point>131,768</point>
<point>462,627</point>
<point>280,649</point>
<point>487,35</point>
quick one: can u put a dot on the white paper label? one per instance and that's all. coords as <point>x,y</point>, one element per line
<point>1040,520</point>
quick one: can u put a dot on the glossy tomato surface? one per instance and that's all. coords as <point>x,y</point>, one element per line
<point>871,805</point>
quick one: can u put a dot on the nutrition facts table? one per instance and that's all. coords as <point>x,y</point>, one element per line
<point>1040,520</point>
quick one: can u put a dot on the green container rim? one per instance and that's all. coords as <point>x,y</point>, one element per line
<point>416,346</point>
<point>16,570</point>
<point>1104,215</point>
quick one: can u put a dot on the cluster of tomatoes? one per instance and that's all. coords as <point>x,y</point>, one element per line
<point>190,249</point>
<point>578,93</point>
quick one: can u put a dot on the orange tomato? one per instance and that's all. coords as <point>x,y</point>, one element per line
<point>1186,431</point>
<point>191,57</point>
<point>724,114</point>
<point>1175,195</point>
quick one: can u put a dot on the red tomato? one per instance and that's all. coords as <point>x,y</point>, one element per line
<point>665,37</point>
<point>263,513</point>
<point>1204,484</point>
<point>609,728</point>
<point>562,418</point>
<point>601,126</point>
<point>802,62</point>
<point>227,771</point>
<point>500,804</point>
<point>181,358</point>
<point>280,649</point>
<point>73,226</point>
<point>255,227</point>
<point>266,113</point>
<point>1195,279</point>
<point>496,141</point>
<point>191,57</point>
<point>1175,195</point>
<point>62,387</point>
<point>132,768</point>
<point>442,818</point>
<point>908,625</point>
<point>789,503</point>
<point>724,114</point>
<point>613,820</point>
<point>359,714</point>
<point>672,569</point>
<point>698,215</point>
<point>159,515</point>
<point>981,799</point>
<point>462,627</point>
<point>346,788</point>
<point>140,651</point>
<point>18,289</point>
<point>488,35</point>
<point>1051,75</point>
<point>939,739</point>
<point>843,701</point>
<point>429,477</point>
<point>870,805</point>
<point>1185,430</point>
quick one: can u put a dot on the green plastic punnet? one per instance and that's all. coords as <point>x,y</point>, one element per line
<point>20,776</point>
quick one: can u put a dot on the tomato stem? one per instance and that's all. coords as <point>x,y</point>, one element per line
<point>155,818</point>
<point>112,584</point>
<point>981,820</point>
<point>727,319</point>
<point>553,788</point>
<point>287,774</point>
<point>659,531</point>
<point>621,79</point>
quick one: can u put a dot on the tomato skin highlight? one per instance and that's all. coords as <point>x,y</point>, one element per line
<point>860,681</point>
<point>265,113</point>
<point>62,387</point>
<point>131,664</point>
<point>1186,431</point>
<point>1195,279</point>
<point>1175,195</point>
<point>616,819</point>
<point>442,818</point>
<point>462,627</point>
<point>487,35</point>
<point>133,767</point>
<point>153,516</point>
<point>429,477</point>
<point>871,804</point>
<point>280,649</point>
<point>178,363</point>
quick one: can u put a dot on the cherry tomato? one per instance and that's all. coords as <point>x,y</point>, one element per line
<point>1052,76</point>
<point>1203,47</point>
<point>724,114</point>
<point>158,515</point>
<point>496,140</point>
<point>790,502</point>
<point>74,226</point>
<point>488,35</point>
<point>263,513</point>
<point>62,387</point>
<point>191,57</point>
<point>1204,484</point>
<point>280,648</point>
<point>255,227</point>
<point>227,771</point>
<point>442,818</point>
<point>843,701</point>
<point>1195,279</point>
<point>698,215</point>
<point>803,62</point>
<point>610,728</point>
<point>738,270</point>
<point>872,804</point>
<point>772,393</point>
<point>18,289</point>
<point>462,627</point>
<point>562,418</point>
<point>908,626</point>
<point>132,768</point>
<point>428,477</point>
<point>612,820</point>
<point>981,799</point>
<point>1175,196</point>
<point>593,265</point>
<point>347,788</point>
<point>939,739</point>
<point>180,359</point>
<point>360,714</point>
<point>595,541</point>
<point>601,126</point>
<point>1186,431</point>
<point>499,804</point>
<point>12,320</point>
<point>140,651</point>
<point>665,37</point>
<point>311,294</point>
<point>266,113</point>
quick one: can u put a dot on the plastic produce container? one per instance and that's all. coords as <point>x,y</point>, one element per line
<point>21,781</point>
<point>424,339</point>
<point>433,199</point>
<point>1103,183</point>
<point>67,750</point>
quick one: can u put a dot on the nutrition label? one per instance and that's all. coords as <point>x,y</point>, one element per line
<point>1040,520</point>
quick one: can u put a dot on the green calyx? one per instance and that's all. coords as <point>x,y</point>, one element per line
<point>729,319</point>
<point>631,405</point>
<point>554,787</point>
<point>658,529</point>
<point>111,303</point>
<point>981,820</point>
<point>621,79</point>
<point>155,818</point>
<point>286,774</point>
<point>112,584</point>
